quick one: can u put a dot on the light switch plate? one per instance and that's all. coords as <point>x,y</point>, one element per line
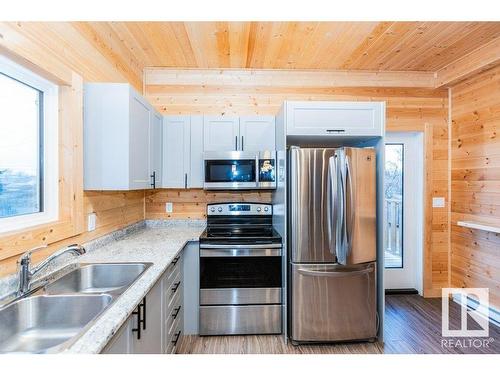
<point>438,202</point>
<point>91,219</point>
<point>169,207</point>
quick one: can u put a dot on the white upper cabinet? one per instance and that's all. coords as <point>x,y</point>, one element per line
<point>176,142</point>
<point>196,176</point>
<point>116,138</point>
<point>155,149</point>
<point>183,152</point>
<point>312,118</point>
<point>139,143</point>
<point>257,133</point>
<point>221,133</point>
<point>247,133</point>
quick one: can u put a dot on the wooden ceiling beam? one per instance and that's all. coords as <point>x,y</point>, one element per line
<point>286,78</point>
<point>482,58</point>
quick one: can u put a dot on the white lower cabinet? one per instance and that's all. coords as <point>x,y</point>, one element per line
<point>146,337</point>
<point>156,325</point>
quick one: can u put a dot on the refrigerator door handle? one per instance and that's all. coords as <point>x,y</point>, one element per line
<point>340,227</point>
<point>350,220</point>
<point>332,203</point>
<point>335,273</point>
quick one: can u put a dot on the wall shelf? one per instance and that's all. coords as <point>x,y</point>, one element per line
<point>480,226</point>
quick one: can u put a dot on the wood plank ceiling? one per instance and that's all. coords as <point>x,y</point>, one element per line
<point>388,46</point>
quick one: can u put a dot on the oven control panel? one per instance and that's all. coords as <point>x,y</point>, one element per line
<point>239,209</point>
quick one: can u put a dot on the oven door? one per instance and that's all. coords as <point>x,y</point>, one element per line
<point>230,170</point>
<point>233,275</point>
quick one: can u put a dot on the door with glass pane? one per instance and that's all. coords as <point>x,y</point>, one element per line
<point>403,207</point>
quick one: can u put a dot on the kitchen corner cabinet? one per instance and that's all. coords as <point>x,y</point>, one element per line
<point>156,325</point>
<point>182,152</point>
<point>116,138</point>
<point>246,133</point>
<point>316,118</point>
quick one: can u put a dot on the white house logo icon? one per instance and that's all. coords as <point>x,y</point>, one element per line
<point>464,296</point>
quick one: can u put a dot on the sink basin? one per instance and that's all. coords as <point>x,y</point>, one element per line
<point>97,278</point>
<point>39,323</point>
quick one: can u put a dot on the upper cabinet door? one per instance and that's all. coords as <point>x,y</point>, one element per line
<point>176,140</point>
<point>257,133</point>
<point>312,118</point>
<point>196,176</point>
<point>155,149</point>
<point>221,133</point>
<point>139,144</point>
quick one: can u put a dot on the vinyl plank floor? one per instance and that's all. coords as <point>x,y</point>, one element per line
<point>412,325</point>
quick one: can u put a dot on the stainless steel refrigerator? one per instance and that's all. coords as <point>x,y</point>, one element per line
<point>332,244</point>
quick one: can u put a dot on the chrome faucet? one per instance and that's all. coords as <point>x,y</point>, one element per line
<point>26,272</point>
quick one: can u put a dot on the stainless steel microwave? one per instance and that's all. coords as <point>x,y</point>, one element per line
<point>239,170</point>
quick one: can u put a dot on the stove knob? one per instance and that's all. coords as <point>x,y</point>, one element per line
<point>212,209</point>
<point>266,209</point>
<point>259,209</point>
<point>219,209</point>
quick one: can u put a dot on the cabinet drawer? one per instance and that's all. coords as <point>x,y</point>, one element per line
<point>174,335</point>
<point>174,312</point>
<point>172,291</point>
<point>173,266</point>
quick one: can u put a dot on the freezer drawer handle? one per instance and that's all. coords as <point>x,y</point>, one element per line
<point>335,273</point>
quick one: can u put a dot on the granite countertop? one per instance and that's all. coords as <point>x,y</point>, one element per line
<point>156,242</point>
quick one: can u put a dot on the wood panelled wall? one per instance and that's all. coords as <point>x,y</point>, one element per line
<point>475,171</point>
<point>408,109</point>
<point>192,203</point>
<point>114,210</point>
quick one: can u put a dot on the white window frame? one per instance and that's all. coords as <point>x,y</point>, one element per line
<point>50,155</point>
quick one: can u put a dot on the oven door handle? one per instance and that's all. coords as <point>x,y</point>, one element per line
<point>234,252</point>
<point>255,246</point>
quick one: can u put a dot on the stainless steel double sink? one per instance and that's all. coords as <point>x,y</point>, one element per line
<point>56,313</point>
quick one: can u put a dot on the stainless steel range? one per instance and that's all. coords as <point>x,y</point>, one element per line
<point>240,271</point>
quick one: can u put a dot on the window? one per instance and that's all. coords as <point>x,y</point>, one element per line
<point>394,205</point>
<point>28,148</point>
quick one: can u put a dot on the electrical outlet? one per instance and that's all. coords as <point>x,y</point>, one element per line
<point>169,207</point>
<point>91,218</point>
<point>438,202</point>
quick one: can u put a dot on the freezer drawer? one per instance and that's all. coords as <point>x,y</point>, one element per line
<point>240,320</point>
<point>331,302</point>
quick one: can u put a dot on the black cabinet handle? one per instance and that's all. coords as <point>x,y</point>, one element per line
<point>185,180</point>
<point>236,143</point>
<point>153,184</point>
<point>242,144</point>
<point>176,286</point>
<point>176,312</point>
<point>335,130</point>
<point>144,313</point>
<point>177,335</point>
<point>175,260</point>
<point>138,329</point>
